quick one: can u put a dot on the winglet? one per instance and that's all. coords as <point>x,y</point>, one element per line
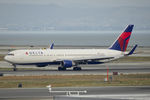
<point>52,46</point>
<point>131,52</point>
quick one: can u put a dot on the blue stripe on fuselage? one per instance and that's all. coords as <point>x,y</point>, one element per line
<point>55,63</point>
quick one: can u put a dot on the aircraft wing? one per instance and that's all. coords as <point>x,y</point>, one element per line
<point>92,58</point>
<point>95,58</point>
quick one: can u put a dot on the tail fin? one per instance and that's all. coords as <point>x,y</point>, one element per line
<point>122,41</point>
<point>52,46</point>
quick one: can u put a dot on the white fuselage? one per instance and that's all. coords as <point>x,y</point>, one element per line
<point>52,55</point>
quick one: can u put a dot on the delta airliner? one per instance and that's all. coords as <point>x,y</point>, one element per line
<point>67,58</point>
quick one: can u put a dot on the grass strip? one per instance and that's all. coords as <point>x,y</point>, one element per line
<point>1,57</point>
<point>74,81</point>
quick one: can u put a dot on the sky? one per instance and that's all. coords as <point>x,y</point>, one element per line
<point>79,3</point>
<point>74,15</point>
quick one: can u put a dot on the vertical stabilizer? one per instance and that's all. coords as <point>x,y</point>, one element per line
<point>122,41</point>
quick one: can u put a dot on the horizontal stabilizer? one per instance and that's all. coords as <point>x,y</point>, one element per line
<point>131,52</point>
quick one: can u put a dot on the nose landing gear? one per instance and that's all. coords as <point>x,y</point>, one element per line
<point>14,69</point>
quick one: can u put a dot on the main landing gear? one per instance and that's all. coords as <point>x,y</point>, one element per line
<point>14,69</point>
<point>74,68</point>
<point>77,68</point>
<point>61,68</point>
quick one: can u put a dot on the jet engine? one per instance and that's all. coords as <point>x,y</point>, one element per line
<point>67,63</point>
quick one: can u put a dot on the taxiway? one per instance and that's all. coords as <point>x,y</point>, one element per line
<point>94,93</point>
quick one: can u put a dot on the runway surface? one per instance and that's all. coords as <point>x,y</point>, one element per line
<point>93,93</point>
<point>124,68</point>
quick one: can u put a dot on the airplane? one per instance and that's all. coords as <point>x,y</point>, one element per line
<point>67,58</point>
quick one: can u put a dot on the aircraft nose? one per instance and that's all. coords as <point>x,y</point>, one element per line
<point>6,58</point>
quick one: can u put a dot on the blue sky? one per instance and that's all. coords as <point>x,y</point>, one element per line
<point>91,15</point>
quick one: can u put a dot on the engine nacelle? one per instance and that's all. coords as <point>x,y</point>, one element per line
<point>67,63</point>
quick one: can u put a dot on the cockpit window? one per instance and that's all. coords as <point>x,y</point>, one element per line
<point>10,54</point>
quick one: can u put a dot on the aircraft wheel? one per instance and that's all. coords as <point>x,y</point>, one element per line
<point>61,68</point>
<point>77,68</point>
<point>14,69</point>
